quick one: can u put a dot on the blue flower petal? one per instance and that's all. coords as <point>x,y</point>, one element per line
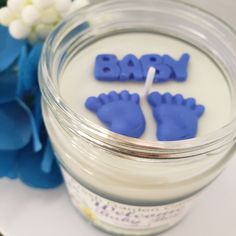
<point>34,58</point>
<point>28,67</point>
<point>22,75</point>
<point>15,126</point>
<point>48,158</point>
<point>35,133</point>
<point>30,172</point>
<point>8,85</point>
<point>37,110</point>
<point>8,164</point>
<point>28,86</point>
<point>9,48</point>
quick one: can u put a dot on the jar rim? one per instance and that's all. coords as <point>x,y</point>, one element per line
<point>107,139</point>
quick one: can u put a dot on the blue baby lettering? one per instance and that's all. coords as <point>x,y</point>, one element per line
<point>130,68</point>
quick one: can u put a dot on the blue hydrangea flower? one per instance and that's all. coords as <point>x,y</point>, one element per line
<point>25,149</point>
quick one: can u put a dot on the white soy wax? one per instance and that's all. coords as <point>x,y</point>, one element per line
<point>206,82</point>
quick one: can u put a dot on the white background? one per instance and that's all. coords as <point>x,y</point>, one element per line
<point>29,212</point>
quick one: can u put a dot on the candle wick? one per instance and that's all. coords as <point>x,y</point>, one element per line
<point>149,81</point>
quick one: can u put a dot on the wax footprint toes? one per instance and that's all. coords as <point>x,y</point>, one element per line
<point>114,96</point>
<point>93,104</point>
<point>167,97</point>
<point>190,102</point>
<point>125,95</point>
<point>199,110</point>
<point>155,99</point>
<point>104,98</point>
<point>135,98</point>
<point>121,113</point>
<point>177,118</point>
<point>178,99</point>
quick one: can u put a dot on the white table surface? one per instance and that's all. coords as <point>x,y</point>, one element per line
<point>29,212</point>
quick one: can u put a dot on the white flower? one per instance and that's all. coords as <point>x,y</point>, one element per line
<point>6,16</point>
<point>16,5</point>
<point>42,4</point>
<point>19,30</point>
<point>35,19</point>
<point>31,15</point>
<point>63,6</point>
<point>77,4</point>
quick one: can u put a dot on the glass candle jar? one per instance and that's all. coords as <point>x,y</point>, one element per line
<point>123,185</point>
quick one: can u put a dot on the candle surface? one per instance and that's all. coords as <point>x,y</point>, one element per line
<point>206,82</point>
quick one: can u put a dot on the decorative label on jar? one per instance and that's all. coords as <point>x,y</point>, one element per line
<point>102,211</point>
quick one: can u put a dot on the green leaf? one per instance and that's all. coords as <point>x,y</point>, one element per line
<point>3,3</point>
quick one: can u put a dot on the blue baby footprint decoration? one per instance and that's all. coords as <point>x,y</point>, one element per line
<point>120,112</point>
<point>177,118</point>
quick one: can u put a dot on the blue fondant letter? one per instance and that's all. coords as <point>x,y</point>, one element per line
<point>150,60</point>
<point>131,69</point>
<point>107,68</point>
<point>180,67</point>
